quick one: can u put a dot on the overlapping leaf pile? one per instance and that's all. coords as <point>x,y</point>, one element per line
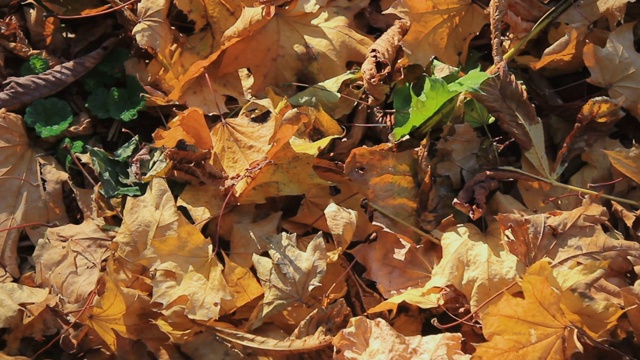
<point>347,178</point>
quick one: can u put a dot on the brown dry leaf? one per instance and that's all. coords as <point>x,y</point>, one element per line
<point>151,216</point>
<point>424,298</point>
<point>457,155</point>
<point>377,340</point>
<point>535,327</point>
<point>387,179</point>
<point>477,264</point>
<point>26,89</point>
<point>37,321</point>
<point>545,323</point>
<point>395,263</point>
<point>617,67</point>
<point>381,57</point>
<point>631,298</point>
<point>124,311</point>
<point>189,126</point>
<point>627,161</point>
<point>560,234</point>
<point>69,258</point>
<point>13,298</point>
<point>26,198</point>
<point>196,11</point>
<point>440,28</point>
<point>598,317</point>
<point>565,52</point>
<point>290,274</point>
<point>287,167</point>
<point>222,14</point>
<point>208,345</point>
<point>153,30</point>
<point>315,203</point>
<point>306,42</point>
<point>507,100</point>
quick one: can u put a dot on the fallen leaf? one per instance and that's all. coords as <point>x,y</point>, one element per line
<point>440,28</point>
<point>387,179</point>
<point>531,328</point>
<point>395,263</point>
<point>69,258</point>
<point>187,274</point>
<point>123,311</point>
<point>276,33</point>
<point>153,30</point>
<point>626,161</point>
<point>616,67</point>
<point>13,297</point>
<point>189,126</point>
<point>290,274</point>
<point>507,100</point>
<point>376,339</point>
<point>151,216</point>
<point>27,200</point>
<point>475,263</point>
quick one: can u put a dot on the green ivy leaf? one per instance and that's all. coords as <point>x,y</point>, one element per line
<point>49,117</point>
<point>108,72</point>
<point>118,103</point>
<point>36,65</point>
<point>76,147</point>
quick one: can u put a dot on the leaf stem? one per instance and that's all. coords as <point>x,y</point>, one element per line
<point>570,187</point>
<point>545,20</point>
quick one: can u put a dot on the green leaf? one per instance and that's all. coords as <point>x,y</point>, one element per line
<point>35,65</point>
<point>470,82</point>
<point>49,117</point>
<point>109,72</point>
<point>38,64</point>
<point>76,147</point>
<point>435,94</point>
<point>476,115</point>
<point>118,103</point>
<point>113,171</point>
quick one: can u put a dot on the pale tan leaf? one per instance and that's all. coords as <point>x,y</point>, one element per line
<point>627,161</point>
<point>69,259</point>
<point>617,67</point>
<point>377,340</point>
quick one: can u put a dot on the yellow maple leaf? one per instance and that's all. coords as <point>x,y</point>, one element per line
<point>122,311</point>
<point>440,28</point>
<point>540,326</point>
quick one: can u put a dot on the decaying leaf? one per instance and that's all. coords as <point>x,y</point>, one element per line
<point>26,89</point>
<point>380,60</point>
<point>507,100</point>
